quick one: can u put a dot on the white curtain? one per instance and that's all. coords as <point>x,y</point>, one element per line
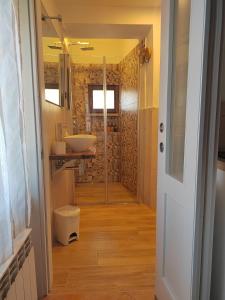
<point>5,222</point>
<point>13,177</point>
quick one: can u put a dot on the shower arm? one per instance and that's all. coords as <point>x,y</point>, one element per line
<point>58,18</point>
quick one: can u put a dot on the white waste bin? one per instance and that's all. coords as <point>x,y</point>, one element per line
<point>67,222</point>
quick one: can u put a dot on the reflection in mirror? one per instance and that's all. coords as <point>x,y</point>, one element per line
<point>52,73</point>
<point>52,48</point>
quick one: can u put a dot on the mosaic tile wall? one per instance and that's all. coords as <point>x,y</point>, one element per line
<point>51,72</point>
<point>82,76</point>
<point>129,119</point>
<point>122,143</point>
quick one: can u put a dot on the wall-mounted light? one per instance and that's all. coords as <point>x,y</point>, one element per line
<point>144,54</point>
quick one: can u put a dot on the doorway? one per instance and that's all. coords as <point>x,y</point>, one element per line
<point>121,173</point>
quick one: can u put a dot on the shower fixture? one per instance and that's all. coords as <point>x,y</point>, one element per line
<point>58,18</point>
<point>79,43</point>
<point>144,53</point>
<point>84,46</point>
<point>87,48</point>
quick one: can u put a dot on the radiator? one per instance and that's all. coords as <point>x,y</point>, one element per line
<point>19,280</point>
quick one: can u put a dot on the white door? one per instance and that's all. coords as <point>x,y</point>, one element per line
<point>183,32</point>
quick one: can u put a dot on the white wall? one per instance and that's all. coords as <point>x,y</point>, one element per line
<point>33,138</point>
<point>58,189</point>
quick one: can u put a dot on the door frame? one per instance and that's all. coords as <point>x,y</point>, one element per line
<point>46,201</point>
<point>207,155</point>
<point>38,210</point>
<point>212,73</point>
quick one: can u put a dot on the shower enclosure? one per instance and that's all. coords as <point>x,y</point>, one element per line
<point>105,99</point>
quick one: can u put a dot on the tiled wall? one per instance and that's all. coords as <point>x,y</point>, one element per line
<point>129,119</point>
<point>51,70</point>
<point>82,76</point>
<point>121,145</point>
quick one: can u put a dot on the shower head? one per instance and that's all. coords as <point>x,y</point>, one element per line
<point>84,46</point>
<point>87,48</point>
<point>79,43</point>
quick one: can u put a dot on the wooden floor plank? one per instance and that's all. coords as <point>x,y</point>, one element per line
<point>94,193</point>
<point>114,258</point>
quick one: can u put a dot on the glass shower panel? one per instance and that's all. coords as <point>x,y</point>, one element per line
<point>88,118</point>
<point>122,101</point>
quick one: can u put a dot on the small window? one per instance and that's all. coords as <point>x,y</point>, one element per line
<point>52,93</point>
<point>96,98</point>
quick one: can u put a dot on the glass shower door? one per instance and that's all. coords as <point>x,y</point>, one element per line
<point>90,118</point>
<point>106,105</point>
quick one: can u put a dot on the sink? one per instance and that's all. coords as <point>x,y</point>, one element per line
<point>80,142</point>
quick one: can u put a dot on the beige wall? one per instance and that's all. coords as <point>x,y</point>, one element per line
<point>61,184</point>
<point>147,165</point>
<point>156,24</point>
<point>148,123</point>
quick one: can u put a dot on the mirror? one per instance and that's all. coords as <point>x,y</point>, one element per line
<point>53,63</point>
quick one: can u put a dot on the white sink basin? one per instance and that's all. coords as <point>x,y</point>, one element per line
<point>80,142</point>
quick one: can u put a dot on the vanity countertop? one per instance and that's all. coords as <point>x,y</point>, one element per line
<point>72,155</point>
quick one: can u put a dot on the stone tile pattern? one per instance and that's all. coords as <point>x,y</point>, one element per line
<point>82,76</point>
<point>129,119</point>
<point>51,72</point>
<point>121,145</point>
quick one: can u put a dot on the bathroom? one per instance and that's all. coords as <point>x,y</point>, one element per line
<point>83,147</point>
<point>124,120</point>
<point>96,89</point>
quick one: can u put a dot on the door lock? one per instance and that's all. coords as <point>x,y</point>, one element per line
<point>161,147</point>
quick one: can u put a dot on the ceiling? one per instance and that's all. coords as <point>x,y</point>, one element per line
<point>103,18</point>
<point>109,31</point>
<point>113,27</point>
<point>114,50</point>
<point>127,3</point>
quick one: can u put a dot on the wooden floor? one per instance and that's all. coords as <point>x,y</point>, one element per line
<point>114,258</point>
<point>94,193</point>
